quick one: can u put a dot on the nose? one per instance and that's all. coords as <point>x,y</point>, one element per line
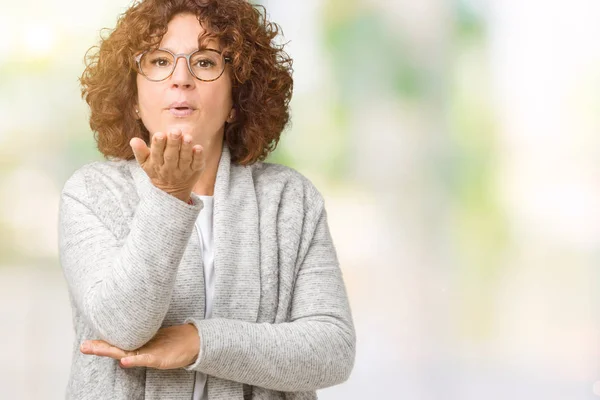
<point>182,76</point>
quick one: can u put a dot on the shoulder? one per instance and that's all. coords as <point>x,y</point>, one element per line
<point>99,177</point>
<point>99,174</point>
<point>288,195</point>
<point>285,182</point>
<point>103,188</point>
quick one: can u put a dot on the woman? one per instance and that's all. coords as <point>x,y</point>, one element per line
<point>195,269</point>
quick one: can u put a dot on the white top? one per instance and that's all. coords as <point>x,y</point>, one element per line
<point>204,227</point>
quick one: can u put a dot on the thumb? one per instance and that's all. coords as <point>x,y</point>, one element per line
<point>140,150</point>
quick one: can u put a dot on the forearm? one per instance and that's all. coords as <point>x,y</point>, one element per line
<point>315,349</point>
<point>124,289</point>
<point>294,356</point>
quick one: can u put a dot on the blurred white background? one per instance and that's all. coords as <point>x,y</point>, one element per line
<point>457,145</point>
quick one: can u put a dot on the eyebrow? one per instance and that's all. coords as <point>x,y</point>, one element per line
<point>191,51</point>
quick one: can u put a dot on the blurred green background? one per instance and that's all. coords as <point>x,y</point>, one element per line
<point>456,144</point>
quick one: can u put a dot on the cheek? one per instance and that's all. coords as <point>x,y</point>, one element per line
<point>220,99</point>
<point>145,95</point>
<point>148,100</point>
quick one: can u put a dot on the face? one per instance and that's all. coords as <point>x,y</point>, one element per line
<point>209,103</point>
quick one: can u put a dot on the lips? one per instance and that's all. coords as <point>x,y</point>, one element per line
<point>181,112</point>
<point>181,109</point>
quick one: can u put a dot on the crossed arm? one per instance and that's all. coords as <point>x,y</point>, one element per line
<point>315,349</point>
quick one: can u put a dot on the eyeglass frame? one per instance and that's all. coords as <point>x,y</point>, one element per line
<point>176,57</point>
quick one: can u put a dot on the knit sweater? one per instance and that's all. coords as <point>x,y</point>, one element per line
<point>281,326</point>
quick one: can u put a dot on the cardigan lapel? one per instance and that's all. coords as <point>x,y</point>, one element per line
<point>237,245</point>
<point>237,255</point>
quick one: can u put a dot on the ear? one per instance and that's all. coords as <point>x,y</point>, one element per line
<point>231,116</point>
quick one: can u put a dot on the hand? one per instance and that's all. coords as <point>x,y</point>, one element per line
<point>171,165</point>
<point>173,347</point>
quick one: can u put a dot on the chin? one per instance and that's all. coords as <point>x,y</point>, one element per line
<point>186,128</point>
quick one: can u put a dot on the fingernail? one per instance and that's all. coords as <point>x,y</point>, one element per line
<point>187,139</point>
<point>159,137</point>
<point>84,346</point>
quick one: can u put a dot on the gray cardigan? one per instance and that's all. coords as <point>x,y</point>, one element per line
<point>281,325</point>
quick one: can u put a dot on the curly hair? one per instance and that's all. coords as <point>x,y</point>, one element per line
<point>261,79</point>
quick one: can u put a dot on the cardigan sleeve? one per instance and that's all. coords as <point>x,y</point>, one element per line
<point>314,350</point>
<point>121,286</point>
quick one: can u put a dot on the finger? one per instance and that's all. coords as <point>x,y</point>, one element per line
<point>185,154</point>
<point>198,158</point>
<point>140,150</point>
<point>102,349</point>
<point>157,148</point>
<point>142,360</point>
<point>171,155</point>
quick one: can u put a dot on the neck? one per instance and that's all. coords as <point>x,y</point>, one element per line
<point>205,185</point>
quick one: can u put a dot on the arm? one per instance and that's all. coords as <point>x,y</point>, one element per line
<point>314,350</point>
<point>123,287</point>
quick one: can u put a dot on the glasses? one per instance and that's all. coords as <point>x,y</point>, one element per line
<point>205,64</point>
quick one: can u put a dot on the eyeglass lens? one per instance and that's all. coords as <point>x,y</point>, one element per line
<point>159,64</point>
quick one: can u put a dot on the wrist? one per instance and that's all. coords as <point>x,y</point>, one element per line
<point>185,197</point>
<point>194,343</point>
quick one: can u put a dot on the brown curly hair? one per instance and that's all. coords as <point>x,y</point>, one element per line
<point>261,79</point>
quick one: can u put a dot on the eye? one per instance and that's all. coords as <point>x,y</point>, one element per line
<point>204,63</point>
<point>160,62</point>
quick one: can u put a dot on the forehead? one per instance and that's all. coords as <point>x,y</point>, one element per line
<point>183,31</point>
